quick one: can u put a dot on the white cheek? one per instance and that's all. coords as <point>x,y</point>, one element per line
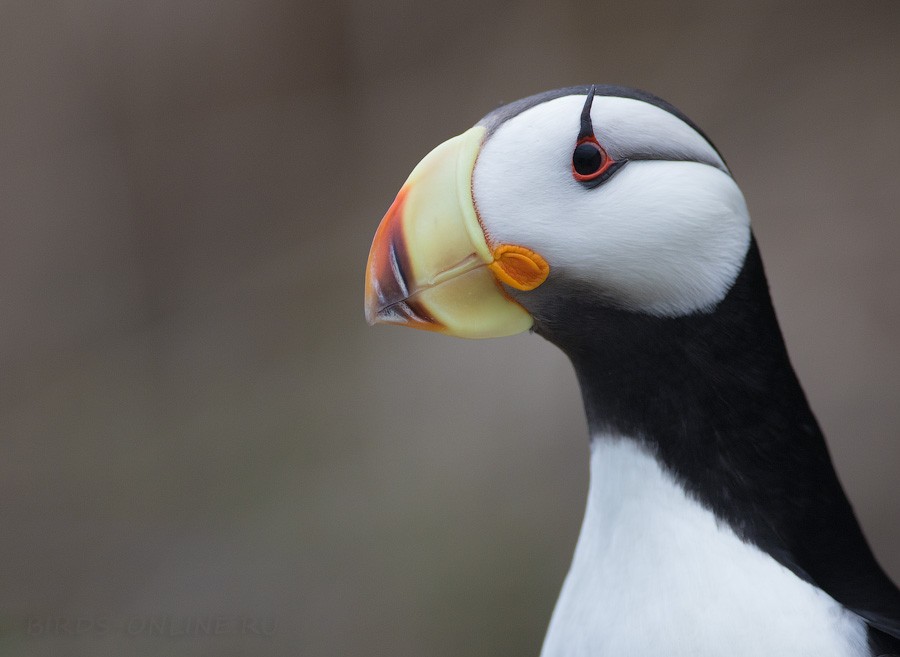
<point>661,237</point>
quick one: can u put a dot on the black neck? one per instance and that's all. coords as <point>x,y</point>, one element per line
<point>715,398</point>
<point>677,382</point>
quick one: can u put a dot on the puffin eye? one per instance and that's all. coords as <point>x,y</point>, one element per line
<point>590,163</point>
<point>587,159</point>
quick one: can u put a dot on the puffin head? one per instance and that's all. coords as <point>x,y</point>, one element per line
<point>588,197</point>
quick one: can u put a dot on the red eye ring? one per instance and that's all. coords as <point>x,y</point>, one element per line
<point>590,160</point>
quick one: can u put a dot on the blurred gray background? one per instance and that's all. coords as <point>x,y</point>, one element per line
<point>196,422</point>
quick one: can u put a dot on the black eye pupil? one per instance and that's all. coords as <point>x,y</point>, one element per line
<point>587,159</point>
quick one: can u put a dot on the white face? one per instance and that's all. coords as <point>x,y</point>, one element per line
<point>665,235</point>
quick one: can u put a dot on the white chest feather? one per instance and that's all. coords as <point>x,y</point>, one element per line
<point>655,574</point>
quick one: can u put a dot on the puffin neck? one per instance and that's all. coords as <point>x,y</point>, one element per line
<point>715,398</point>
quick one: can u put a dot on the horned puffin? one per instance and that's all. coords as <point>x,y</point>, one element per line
<point>604,220</point>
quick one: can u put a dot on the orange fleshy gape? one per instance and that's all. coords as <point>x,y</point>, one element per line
<point>519,267</point>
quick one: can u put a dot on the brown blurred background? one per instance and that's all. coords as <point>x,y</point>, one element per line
<point>196,422</point>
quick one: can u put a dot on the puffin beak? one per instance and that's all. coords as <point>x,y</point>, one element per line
<point>431,266</point>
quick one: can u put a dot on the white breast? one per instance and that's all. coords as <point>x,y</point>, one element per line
<point>655,574</point>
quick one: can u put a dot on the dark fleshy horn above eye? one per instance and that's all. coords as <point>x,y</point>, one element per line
<point>587,128</point>
<point>591,165</point>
